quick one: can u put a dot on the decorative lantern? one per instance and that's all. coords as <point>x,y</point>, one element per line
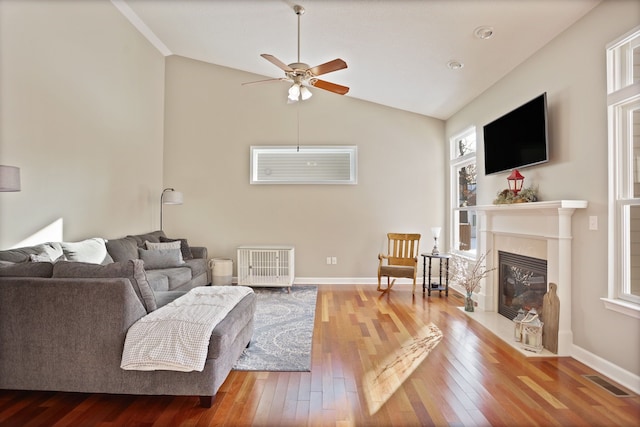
<point>515,181</point>
<point>532,331</point>
<point>518,325</point>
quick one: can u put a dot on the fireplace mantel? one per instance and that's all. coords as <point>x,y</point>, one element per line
<point>538,229</point>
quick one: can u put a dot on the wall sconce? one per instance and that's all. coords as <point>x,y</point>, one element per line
<point>435,232</point>
<point>9,178</point>
<point>517,327</point>
<point>169,196</point>
<point>532,331</point>
<point>515,181</point>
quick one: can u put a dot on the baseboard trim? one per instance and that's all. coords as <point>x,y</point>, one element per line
<point>615,372</point>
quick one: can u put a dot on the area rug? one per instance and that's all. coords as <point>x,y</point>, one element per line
<point>283,330</point>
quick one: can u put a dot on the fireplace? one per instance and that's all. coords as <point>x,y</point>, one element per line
<point>522,283</point>
<point>539,230</point>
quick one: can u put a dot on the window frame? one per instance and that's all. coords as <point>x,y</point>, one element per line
<point>456,163</point>
<point>623,98</point>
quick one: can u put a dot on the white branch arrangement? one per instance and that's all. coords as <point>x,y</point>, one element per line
<point>468,274</point>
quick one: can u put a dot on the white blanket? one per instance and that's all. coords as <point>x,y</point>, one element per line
<point>176,336</point>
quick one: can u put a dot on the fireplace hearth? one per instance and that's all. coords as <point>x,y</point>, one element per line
<point>522,283</point>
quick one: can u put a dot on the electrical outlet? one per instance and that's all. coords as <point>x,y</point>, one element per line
<point>334,260</point>
<point>593,222</point>
<point>328,260</point>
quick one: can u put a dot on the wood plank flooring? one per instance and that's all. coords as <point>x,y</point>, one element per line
<point>470,378</point>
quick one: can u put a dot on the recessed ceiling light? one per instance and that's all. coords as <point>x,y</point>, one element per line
<point>485,32</point>
<point>455,65</point>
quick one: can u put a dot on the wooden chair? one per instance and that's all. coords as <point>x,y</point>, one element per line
<point>401,259</point>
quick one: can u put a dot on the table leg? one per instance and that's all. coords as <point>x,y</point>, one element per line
<point>424,271</point>
<point>429,285</point>
<point>446,283</point>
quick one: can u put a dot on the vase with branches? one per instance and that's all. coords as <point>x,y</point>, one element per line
<point>468,274</point>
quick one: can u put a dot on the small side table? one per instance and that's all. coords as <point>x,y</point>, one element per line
<point>435,286</point>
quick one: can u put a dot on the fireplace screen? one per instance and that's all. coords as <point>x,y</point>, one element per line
<point>523,283</point>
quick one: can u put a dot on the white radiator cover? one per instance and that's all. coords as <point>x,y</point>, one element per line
<point>266,266</point>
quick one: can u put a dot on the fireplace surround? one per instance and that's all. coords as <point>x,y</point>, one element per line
<point>540,230</point>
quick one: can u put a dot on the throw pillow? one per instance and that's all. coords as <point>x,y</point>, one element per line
<point>184,246</point>
<point>44,257</point>
<point>161,258</point>
<point>122,249</point>
<point>52,250</point>
<point>132,270</point>
<point>152,237</point>
<point>93,251</point>
<point>157,246</point>
<point>27,269</point>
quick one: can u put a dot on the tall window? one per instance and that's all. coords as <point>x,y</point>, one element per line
<point>623,86</point>
<point>463,192</point>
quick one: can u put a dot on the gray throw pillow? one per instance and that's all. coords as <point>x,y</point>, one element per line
<point>122,249</point>
<point>93,251</point>
<point>162,258</point>
<point>27,269</point>
<point>184,247</point>
<point>132,270</point>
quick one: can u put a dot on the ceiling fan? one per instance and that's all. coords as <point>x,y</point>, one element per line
<point>301,75</point>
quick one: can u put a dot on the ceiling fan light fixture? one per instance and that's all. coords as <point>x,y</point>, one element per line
<point>294,92</point>
<point>305,93</point>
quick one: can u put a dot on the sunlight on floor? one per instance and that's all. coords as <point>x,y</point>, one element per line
<point>380,382</point>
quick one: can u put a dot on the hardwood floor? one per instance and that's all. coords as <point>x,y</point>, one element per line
<point>470,378</point>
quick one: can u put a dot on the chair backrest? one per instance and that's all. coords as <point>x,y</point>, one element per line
<point>403,248</point>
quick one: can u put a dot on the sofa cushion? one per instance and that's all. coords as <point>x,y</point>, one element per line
<point>157,246</point>
<point>158,281</point>
<point>184,247</point>
<point>162,258</point>
<point>151,237</point>
<point>122,249</point>
<point>52,250</point>
<point>132,270</point>
<point>27,269</point>
<point>92,251</point>
<point>176,278</point>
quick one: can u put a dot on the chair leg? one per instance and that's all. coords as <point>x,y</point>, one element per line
<point>390,284</point>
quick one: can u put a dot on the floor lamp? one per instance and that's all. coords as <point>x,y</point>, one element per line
<point>9,178</point>
<point>169,196</point>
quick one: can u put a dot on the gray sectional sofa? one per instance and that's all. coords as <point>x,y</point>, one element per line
<point>64,319</point>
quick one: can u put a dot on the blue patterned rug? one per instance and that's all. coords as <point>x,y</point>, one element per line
<point>283,330</point>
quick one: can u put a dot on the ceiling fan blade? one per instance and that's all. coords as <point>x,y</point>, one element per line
<point>331,87</point>
<point>264,81</point>
<point>328,67</point>
<point>275,61</point>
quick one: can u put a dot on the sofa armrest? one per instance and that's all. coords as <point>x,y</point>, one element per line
<point>64,334</point>
<point>199,252</point>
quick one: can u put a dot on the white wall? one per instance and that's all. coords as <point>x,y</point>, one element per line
<point>572,70</point>
<point>211,121</point>
<point>81,112</point>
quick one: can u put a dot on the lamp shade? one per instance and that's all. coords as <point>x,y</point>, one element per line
<point>172,197</point>
<point>9,178</point>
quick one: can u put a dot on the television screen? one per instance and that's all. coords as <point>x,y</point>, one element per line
<point>517,139</point>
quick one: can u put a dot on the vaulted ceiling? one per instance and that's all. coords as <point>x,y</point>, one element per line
<point>397,51</point>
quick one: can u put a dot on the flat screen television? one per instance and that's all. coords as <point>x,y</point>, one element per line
<point>517,139</point>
